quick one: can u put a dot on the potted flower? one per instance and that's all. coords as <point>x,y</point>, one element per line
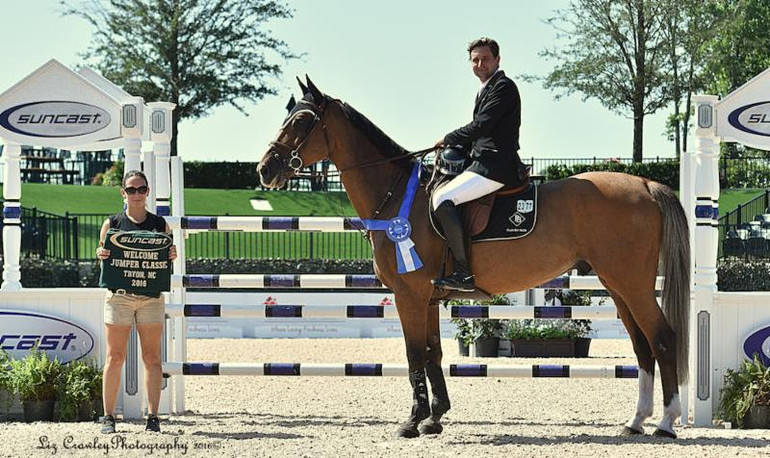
<point>34,379</point>
<point>6,389</point>
<point>544,337</point>
<point>463,335</point>
<point>77,391</point>
<point>580,329</point>
<point>744,400</point>
<point>483,333</point>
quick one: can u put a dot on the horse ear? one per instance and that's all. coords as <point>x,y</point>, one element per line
<point>317,94</point>
<point>302,86</point>
<point>291,104</point>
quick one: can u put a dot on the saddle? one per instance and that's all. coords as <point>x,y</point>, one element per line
<point>509,220</point>
<point>476,213</point>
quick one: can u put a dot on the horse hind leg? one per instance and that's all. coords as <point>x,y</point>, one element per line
<point>661,342</point>
<point>440,404</point>
<point>644,405</point>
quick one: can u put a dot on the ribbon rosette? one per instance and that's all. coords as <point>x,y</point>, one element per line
<point>399,229</point>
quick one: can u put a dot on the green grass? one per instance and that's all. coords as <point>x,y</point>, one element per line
<point>98,199</point>
<point>731,198</point>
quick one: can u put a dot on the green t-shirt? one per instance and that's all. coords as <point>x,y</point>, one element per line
<point>138,262</point>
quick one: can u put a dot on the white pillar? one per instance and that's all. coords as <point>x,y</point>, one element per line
<point>160,134</point>
<point>178,293</point>
<point>705,250</point>
<point>132,129</point>
<point>687,198</point>
<point>11,217</point>
<point>148,167</point>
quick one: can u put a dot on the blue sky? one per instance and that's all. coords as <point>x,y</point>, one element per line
<point>401,63</point>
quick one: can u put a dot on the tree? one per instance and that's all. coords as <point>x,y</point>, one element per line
<point>198,54</point>
<point>614,53</point>
<point>688,26</point>
<point>741,49</point>
<point>737,53</point>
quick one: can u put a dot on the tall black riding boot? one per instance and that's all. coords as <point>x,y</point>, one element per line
<point>459,244</point>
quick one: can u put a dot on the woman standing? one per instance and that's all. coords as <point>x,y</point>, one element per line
<point>122,310</point>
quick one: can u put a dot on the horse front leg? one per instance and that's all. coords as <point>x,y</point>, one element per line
<point>413,321</point>
<point>440,404</point>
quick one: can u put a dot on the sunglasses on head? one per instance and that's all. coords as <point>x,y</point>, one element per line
<point>132,190</point>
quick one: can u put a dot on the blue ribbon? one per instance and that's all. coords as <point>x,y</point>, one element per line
<point>399,229</point>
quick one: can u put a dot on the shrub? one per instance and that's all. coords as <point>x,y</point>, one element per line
<point>34,377</point>
<point>666,172</point>
<point>221,175</point>
<point>114,175</point>
<point>79,383</point>
<point>747,386</point>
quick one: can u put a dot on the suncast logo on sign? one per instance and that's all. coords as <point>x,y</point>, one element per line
<point>753,118</point>
<point>54,119</point>
<point>758,343</point>
<point>129,241</point>
<point>21,330</point>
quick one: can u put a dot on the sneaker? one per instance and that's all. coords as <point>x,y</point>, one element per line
<point>108,424</point>
<point>153,423</point>
<point>456,281</point>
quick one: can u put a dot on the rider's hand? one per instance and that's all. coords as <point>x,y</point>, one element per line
<point>102,253</point>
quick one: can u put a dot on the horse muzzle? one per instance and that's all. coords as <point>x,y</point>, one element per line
<point>272,170</point>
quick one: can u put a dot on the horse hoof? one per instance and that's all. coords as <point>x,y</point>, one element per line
<point>430,427</point>
<point>663,433</point>
<point>627,431</point>
<point>408,431</point>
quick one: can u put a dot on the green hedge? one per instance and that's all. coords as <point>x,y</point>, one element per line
<point>666,172</point>
<point>733,276</point>
<point>50,274</point>
<point>220,175</point>
<point>743,276</point>
<point>66,274</point>
<point>280,266</point>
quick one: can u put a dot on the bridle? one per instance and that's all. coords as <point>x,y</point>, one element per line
<point>291,156</point>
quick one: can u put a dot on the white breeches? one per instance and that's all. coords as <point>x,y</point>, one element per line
<point>465,187</point>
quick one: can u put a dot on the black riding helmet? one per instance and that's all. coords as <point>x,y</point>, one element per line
<point>452,160</point>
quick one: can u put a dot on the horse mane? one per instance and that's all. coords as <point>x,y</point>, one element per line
<point>380,139</point>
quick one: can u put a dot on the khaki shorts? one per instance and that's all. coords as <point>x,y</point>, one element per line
<point>127,309</point>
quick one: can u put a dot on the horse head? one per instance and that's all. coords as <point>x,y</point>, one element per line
<point>301,140</point>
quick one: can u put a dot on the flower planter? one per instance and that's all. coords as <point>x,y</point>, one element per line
<point>463,348</point>
<point>582,346</point>
<point>542,348</point>
<point>758,417</point>
<point>97,408</point>
<point>38,410</point>
<point>486,347</point>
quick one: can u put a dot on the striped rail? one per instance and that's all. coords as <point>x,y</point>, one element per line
<point>396,370</point>
<point>520,312</point>
<point>321,281</point>
<point>265,223</point>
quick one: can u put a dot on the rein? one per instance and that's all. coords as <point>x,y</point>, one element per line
<point>421,152</point>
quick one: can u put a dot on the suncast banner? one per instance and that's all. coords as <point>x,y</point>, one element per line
<point>21,330</point>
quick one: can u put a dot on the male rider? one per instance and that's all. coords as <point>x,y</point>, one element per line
<point>493,141</point>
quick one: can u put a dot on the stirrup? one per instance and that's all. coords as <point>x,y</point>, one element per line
<point>455,282</point>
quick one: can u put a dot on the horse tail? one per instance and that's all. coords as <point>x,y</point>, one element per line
<point>675,255</point>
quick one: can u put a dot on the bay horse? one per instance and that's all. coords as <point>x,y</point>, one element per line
<point>622,226</point>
